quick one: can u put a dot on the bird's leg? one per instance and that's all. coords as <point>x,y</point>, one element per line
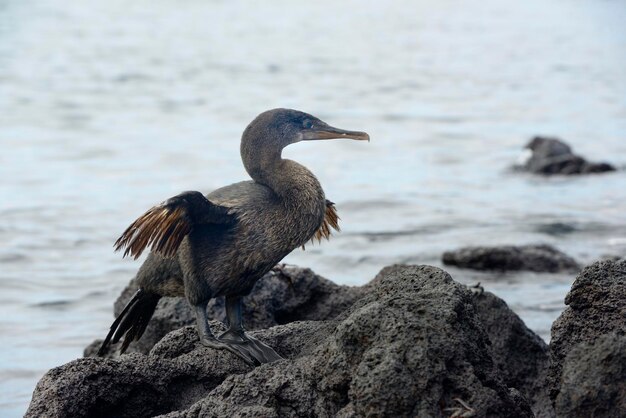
<point>202,325</point>
<point>237,338</point>
<point>209,340</point>
<point>235,332</point>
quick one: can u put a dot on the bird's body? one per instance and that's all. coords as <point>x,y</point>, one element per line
<point>228,259</point>
<point>221,244</point>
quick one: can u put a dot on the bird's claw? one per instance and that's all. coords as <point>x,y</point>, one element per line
<point>249,349</point>
<point>219,345</point>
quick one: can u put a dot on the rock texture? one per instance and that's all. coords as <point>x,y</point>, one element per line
<point>581,341</point>
<point>550,156</point>
<point>539,258</point>
<point>176,374</point>
<point>286,294</point>
<point>521,356</point>
<point>412,344</point>
<point>593,379</point>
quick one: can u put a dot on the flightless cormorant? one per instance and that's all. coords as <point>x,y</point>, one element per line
<point>221,244</point>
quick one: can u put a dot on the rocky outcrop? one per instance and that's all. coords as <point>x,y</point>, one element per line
<point>520,355</point>
<point>411,344</point>
<point>286,294</point>
<point>587,345</point>
<point>548,156</point>
<point>539,258</point>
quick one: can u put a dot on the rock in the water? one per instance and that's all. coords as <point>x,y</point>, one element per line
<point>539,258</point>
<point>593,381</point>
<point>596,307</point>
<point>284,295</point>
<point>411,345</point>
<point>520,354</point>
<point>550,156</point>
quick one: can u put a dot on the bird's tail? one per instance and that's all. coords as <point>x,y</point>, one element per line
<point>132,321</point>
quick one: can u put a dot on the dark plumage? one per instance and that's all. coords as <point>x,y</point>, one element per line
<point>221,244</point>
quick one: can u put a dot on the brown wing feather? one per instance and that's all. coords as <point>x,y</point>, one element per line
<point>164,227</point>
<point>161,227</point>
<point>331,220</point>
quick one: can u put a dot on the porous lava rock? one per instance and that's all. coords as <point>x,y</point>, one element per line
<point>412,344</point>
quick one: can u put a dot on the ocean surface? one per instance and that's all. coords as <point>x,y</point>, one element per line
<point>109,107</point>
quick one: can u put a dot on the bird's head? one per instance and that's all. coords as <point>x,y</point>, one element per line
<point>277,128</point>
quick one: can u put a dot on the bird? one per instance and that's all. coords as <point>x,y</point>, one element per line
<point>220,245</point>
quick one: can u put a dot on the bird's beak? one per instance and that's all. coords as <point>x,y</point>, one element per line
<point>329,132</point>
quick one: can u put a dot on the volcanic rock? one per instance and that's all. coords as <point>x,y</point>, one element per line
<point>549,156</point>
<point>595,318</point>
<point>539,258</point>
<point>412,344</point>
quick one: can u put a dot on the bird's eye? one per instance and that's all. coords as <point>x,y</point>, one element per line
<point>307,124</point>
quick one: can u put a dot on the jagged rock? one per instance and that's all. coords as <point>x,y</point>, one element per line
<point>596,306</point>
<point>521,355</point>
<point>286,294</point>
<point>411,345</point>
<point>550,156</point>
<point>593,381</point>
<point>539,258</point>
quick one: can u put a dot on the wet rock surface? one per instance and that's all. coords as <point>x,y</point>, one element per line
<point>594,319</point>
<point>538,258</point>
<point>411,344</point>
<point>549,156</point>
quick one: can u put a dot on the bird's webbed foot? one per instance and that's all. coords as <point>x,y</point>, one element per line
<point>250,349</point>
<point>213,342</point>
<point>235,340</point>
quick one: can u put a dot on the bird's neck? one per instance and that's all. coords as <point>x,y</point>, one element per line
<point>288,179</point>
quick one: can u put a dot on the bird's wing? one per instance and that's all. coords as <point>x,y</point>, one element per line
<point>331,220</point>
<point>164,226</point>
